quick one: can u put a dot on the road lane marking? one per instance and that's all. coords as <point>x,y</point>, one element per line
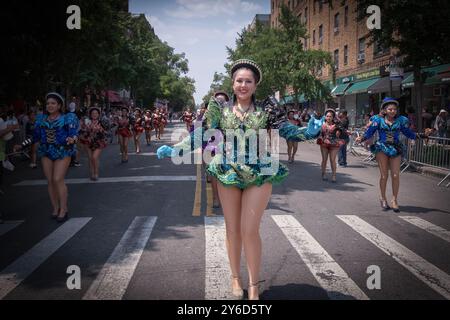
<point>21,268</point>
<point>112,281</point>
<point>110,180</point>
<point>328,273</point>
<point>434,277</point>
<point>7,226</point>
<point>198,193</point>
<point>217,270</point>
<point>428,226</point>
<point>209,200</point>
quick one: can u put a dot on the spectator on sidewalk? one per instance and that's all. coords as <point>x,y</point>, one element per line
<point>29,131</point>
<point>440,124</point>
<point>343,123</point>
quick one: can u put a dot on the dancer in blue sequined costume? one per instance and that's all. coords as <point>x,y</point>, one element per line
<point>57,134</point>
<point>388,148</point>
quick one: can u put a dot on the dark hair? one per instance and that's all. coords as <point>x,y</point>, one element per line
<point>58,101</point>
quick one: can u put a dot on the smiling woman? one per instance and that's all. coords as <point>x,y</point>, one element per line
<point>245,179</point>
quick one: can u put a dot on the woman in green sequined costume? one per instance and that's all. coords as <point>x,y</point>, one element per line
<point>245,187</point>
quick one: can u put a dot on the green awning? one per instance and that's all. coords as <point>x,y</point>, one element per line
<point>360,86</point>
<point>432,78</point>
<point>339,89</point>
<point>287,99</point>
<point>290,99</point>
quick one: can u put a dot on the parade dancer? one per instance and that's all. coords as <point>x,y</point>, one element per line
<point>157,124</point>
<point>244,188</point>
<point>138,129</point>
<point>188,117</point>
<point>148,126</point>
<point>330,143</point>
<point>163,121</point>
<point>93,134</point>
<point>124,123</point>
<point>57,134</point>
<point>388,149</point>
<point>292,145</point>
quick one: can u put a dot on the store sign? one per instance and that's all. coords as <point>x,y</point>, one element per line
<point>395,71</point>
<point>347,79</point>
<point>368,74</point>
<point>384,71</point>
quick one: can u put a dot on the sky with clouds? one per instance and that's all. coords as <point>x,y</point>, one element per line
<point>201,29</point>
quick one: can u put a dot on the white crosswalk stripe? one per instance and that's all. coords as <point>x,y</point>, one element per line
<point>422,269</point>
<point>113,279</point>
<point>327,272</point>
<point>8,226</point>
<point>217,271</point>
<point>20,269</point>
<point>428,226</point>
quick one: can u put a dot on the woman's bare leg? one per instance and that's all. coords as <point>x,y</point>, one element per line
<point>254,202</point>
<point>333,153</point>
<point>96,155</point>
<point>47,166</point>
<point>383,165</point>
<point>324,152</point>
<point>137,143</point>
<point>289,149</point>
<point>91,162</point>
<point>295,147</point>
<point>59,172</point>
<point>394,164</point>
<point>125,148</point>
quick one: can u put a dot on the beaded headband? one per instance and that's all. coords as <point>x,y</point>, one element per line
<point>247,63</point>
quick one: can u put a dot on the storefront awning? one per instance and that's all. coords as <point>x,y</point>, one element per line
<point>290,99</point>
<point>383,85</point>
<point>436,75</point>
<point>339,90</point>
<point>360,86</point>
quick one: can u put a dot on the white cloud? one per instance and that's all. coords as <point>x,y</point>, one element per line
<point>187,9</point>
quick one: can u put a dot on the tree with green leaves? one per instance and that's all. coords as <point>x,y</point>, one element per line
<point>283,59</point>
<point>418,29</point>
<point>113,49</point>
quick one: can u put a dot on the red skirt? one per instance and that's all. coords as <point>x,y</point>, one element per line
<point>125,132</point>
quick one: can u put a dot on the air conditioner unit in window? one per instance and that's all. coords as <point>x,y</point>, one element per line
<point>336,29</point>
<point>361,57</point>
<point>320,40</point>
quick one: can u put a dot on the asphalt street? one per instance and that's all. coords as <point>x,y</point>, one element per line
<point>146,230</point>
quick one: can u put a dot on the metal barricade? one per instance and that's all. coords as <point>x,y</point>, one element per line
<point>357,149</point>
<point>431,152</point>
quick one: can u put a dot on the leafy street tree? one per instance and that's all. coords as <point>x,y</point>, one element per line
<point>420,32</point>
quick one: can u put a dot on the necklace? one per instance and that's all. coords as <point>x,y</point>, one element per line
<point>242,111</point>
<point>53,118</point>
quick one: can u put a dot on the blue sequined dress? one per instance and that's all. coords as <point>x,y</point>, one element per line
<point>389,135</point>
<point>52,135</point>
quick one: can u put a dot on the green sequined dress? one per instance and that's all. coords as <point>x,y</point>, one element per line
<point>242,174</point>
